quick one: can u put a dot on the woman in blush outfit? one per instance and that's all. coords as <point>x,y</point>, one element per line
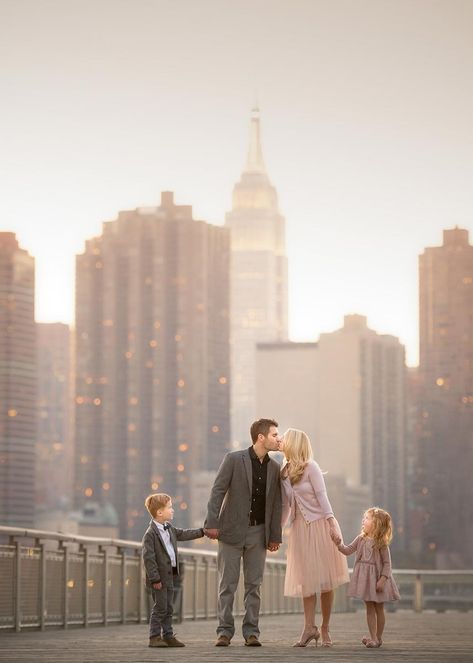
<point>314,565</point>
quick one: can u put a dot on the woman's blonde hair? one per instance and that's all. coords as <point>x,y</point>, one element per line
<point>298,452</point>
<point>383,527</point>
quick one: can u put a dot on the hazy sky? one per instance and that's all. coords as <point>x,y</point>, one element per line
<point>367,114</point>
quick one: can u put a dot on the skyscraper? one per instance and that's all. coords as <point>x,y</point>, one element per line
<point>258,280</point>
<point>445,467</point>
<point>152,362</point>
<point>54,441</point>
<point>362,401</point>
<point>17,384</point>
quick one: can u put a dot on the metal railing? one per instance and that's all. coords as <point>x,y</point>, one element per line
<point>53,579</point>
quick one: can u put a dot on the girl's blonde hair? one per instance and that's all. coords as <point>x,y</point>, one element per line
<point>298,452</point>
<point>383,527</point>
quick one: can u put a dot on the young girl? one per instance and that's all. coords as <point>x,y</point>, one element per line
<point>372,579</point>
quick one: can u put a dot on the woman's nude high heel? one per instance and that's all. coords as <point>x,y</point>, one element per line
<point>327,641</point>
<point>307,636</point>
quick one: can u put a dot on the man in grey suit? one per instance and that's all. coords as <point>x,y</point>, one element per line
<point>244,514</point>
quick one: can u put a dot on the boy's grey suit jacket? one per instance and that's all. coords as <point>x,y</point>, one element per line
<point>230,500</point>
<point>156,559</point>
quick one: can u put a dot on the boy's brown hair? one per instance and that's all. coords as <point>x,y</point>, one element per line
<point>156,501</point>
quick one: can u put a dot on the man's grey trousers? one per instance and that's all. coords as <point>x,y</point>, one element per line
<point>253,552</point>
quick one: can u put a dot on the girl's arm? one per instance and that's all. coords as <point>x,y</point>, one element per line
<point>351,548</point>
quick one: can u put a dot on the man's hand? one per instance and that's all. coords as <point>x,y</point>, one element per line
<point>211,533</point>
<point>157,585</point>
<point>380,584</point>
<point>272,547</point>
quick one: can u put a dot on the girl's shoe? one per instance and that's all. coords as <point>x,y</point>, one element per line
<point>367,638</point>
<point>307,636</point>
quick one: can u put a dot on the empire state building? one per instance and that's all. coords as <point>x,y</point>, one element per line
<point>258,281</point>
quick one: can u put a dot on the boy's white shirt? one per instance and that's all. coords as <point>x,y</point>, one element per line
<point>166,537</point>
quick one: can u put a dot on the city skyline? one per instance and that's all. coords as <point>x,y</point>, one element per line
<point>366,133</point>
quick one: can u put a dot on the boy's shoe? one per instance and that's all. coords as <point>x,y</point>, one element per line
<point>222,641</point>
<point>252,641</point>
<point>172,641</point>
<point>157,641</point>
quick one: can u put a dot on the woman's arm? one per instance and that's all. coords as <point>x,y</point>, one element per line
<point>316,478</point>
<point>287,495</point>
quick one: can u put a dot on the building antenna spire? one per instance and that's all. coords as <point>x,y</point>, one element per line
<point>255,161</point>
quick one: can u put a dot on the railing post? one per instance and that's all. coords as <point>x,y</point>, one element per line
<point>66,581</point>
<point>42,581</point>
<point>140,586</point>
<point>280,590</point>
<point>17,586</point>
<point>206,592</point>
<point>194,589</point>
<point>123,595</point>
<point>418,593</point>
<point>105,585</point>
<point>85,550</point>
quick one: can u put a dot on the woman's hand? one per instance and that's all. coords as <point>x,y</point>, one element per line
<point>335,536</point>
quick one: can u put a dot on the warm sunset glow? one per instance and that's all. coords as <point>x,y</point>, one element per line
<point>355,164</point>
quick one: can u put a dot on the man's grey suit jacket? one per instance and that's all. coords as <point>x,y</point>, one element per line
<point>230,500</point>
<point>155,556</point>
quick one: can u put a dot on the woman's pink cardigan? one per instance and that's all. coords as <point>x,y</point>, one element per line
<point>309,494</point>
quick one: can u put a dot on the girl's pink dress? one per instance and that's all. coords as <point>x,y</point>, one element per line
<point>370,564</point>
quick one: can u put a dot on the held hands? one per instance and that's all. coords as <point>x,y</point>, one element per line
<point>211,533</point>
<point>273,547</point>
<point>157,585</point>
<point>335,536</point>
<point>380,584</point>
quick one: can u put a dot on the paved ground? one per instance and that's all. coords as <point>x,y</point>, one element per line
<point>426,637</point>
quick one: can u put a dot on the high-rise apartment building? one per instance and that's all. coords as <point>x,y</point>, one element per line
<point>17,384</point>
<point>258,281</point>
<point>152,361</point>
<point>54,458</point>
<point>445,463</point>
<point>348,392</point>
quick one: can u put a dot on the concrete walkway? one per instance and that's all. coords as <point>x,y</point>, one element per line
<point>426,637</point>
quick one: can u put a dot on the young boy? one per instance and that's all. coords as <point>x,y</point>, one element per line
<point>161,565</point>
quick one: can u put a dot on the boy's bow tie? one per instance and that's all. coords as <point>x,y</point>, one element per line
<point>166,526</point>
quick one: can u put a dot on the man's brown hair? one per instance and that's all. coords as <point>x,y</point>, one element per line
<point>156,501</point>
<point>261,426</point>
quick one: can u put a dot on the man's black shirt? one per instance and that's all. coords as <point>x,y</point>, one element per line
<point>258,496</point>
